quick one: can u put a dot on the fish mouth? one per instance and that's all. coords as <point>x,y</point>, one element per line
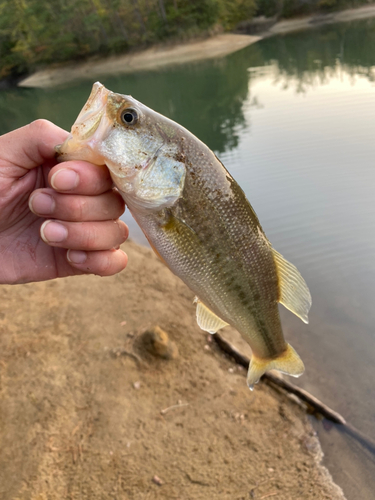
<point>78,145</point>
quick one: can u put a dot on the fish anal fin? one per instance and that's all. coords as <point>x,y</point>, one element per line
<point>288,362</point>
<point>293,291</point>
<point>207,320</point>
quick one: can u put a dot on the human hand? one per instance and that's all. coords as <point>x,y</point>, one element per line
<point>55,220</point>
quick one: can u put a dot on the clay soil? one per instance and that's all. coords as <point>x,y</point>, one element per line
<point>87,412</point>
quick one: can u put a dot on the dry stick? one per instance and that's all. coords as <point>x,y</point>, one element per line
<point>303,395</point>
<point>166,410</point>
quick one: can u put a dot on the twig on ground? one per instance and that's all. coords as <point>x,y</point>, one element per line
<point>303,395</point>
<point>196,481</point>
<point>252,491</point>
<point>179,405</point>
<point>123,352</point>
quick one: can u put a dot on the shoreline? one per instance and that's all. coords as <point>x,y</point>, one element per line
<point>195,50</point>
<point>149,59</point>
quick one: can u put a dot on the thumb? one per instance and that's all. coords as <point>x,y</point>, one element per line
<point>30,146</point>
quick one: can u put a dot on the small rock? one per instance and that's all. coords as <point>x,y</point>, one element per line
<point>137,385</point>
<point>159,344</point>
<point>157,480</point>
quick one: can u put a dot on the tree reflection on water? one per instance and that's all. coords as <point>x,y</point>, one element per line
<point>313,57</point>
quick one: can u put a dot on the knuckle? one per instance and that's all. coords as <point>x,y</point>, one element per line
<point>105,264</point>
<point>102,178</point>
<point>77,209</point>
<point>90,236</point>
<point>122,229</point>
<point>120,204</point>
<point>113,205</point>
<point>40,126</point>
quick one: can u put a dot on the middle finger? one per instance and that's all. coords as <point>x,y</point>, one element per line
<point>75,208</point>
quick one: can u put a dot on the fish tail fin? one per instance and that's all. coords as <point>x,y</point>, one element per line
<point>288,362</point>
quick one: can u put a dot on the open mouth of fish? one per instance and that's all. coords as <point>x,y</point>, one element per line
<point>81,140</point>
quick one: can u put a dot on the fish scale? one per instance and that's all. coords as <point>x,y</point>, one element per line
<point>198,220</point>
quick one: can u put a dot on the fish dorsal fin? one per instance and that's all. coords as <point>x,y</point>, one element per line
<point>207,320</point>
<point>294,294</point>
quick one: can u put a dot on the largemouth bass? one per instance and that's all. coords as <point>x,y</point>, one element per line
<point>198,221</point>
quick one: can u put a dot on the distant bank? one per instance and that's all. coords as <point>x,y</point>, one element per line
<point>163,55</point>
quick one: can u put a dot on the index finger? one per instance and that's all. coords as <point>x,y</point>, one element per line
<point>31,145</point>
<point>80,177</point>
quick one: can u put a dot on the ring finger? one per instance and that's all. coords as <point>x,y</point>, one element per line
<point>98,235</point>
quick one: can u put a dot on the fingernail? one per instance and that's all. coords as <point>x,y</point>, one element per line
<point>42,204</point>
<point>76,256</point>
<point>53,232</point>
<point>65,179</point>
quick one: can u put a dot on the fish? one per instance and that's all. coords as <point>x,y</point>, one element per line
<point>198,221</point>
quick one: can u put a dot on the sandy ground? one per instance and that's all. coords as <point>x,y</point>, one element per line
<point>159,56</point>
<point>84,404</point>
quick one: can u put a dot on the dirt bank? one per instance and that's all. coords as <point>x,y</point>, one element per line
<point>153,58</point>
<point>81,400</point>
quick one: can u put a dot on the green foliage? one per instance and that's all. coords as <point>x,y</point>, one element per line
<point>35,32</point>
<point>298,7</point>
<point>233,11</point>
<point>186,17</point>
<point>269,8</point>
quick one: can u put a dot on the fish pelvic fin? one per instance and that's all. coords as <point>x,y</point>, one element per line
<point>293,291</point>
<point>207,320</point>
<point>288,362</point>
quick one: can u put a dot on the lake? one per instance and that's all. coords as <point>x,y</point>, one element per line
<point>293,119</point>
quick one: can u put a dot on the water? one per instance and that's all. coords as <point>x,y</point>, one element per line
<point>293,119</point>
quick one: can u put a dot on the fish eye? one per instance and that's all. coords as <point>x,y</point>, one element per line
<point>129,116</point>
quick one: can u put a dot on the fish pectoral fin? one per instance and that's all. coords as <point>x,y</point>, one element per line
<point>293,291</point>
<point>207,320</point>
<point>288,362</point>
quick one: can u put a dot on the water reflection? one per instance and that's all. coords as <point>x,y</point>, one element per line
<point>312,58</point>
<point>205,98</point>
